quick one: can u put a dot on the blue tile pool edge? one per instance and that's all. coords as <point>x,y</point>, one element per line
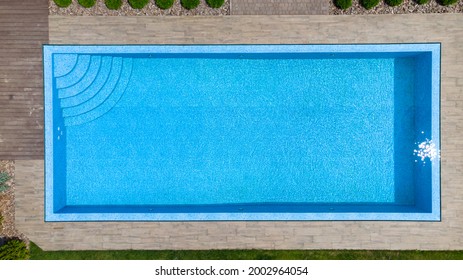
<point>140,217</point>
<point>51,215</point>
<point>48,131</point>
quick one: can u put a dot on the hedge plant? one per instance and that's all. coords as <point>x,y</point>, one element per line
<point>138,4</point>
<point>14,249</point>
<point>393,3</point>
<point>369,4</point>
<point>113,4</point>
<point>4,177</point>
<point>447,2</point>
<point>189,4</point>
<point>164,4</point>
<point>215,3</point>
<point>63,3</point>
<point>343,4</point>
<point>87,3</point>
<point>421,2</point>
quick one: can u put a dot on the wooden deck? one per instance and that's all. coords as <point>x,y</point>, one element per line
<point>23,30</point>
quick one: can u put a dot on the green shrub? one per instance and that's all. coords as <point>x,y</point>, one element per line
<point>138,4</point>
<point>369,4</point>
<point>4,177</point>
<point>113,4</point>
<point>215,3</point>
<point>189,4</point>
<point>343,4</point>
<point>447,2</point>
<point>14,249</point>
<point>63,3</point>
<point>393,3</point>
<point>164,4</point>
<point>87,3</point>
<point>421,2</point>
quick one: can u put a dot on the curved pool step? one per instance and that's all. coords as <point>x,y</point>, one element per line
<point>86,81</point>
<point>79,71</point>
<point>100,96</point>
<point>106,99</point>
<point>63,64</point>
<point>80,95</point>
<point>89,102</point>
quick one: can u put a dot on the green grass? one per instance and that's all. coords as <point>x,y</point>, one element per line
<point>39,254</point>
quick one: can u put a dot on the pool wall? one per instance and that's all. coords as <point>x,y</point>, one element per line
<point>426,205</point>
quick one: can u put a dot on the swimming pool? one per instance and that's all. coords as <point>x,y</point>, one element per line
<point>242,132</point>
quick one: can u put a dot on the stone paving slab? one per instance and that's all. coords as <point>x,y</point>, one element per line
<point>444,235</point>
<point>280,7</point>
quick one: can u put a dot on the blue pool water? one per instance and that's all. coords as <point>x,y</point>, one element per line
<point>169,135</point>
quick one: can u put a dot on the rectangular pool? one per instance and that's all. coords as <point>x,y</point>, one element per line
<point>242,132</point>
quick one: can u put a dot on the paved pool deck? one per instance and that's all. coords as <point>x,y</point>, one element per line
<point>444,235</point>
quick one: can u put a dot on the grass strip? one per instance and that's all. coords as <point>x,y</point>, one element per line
<point>38,254</point>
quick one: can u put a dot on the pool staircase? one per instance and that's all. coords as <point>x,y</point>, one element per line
<point>89,86</point>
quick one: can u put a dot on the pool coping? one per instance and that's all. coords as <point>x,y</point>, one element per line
<point>52,216</point>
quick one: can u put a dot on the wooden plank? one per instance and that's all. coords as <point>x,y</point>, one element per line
<point>12,17</point>
<point>26,140</point>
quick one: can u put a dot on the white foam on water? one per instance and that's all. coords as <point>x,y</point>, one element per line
<point>427,150</point>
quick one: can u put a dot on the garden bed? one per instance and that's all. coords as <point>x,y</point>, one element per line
<point>7,227</point>
<point>407,7</point>
<point>203,9</point>
<point>100,9</point>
